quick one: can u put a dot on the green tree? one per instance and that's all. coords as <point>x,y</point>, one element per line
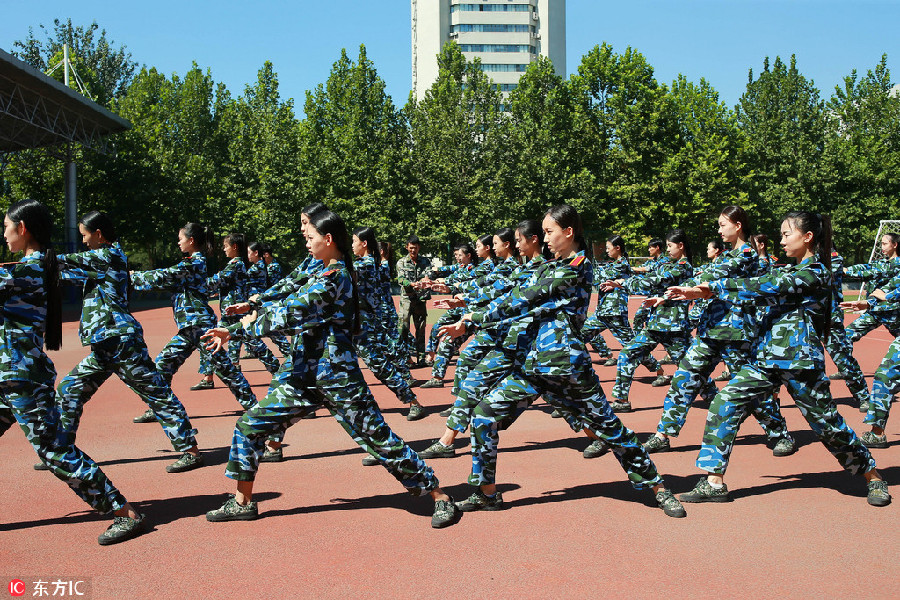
<point>783,122</point>
<point>353,148</point>
<point>452,135</point>
<point>862,155</point>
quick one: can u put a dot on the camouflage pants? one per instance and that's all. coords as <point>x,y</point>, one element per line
<point>581,401</point>
<point>468,393</point>
<point>398,348</point>
<point>375,354</point>
<point>126,357</point>
<point>418,313</point>
<point>32,405</point>
<point>810,390</point>
<point>865,323</point>
<point>344,394</point>
<point>621,330</point>
<point>255,347</point>
<point>885,386</point>
<point>640,319</point>
<point>180,348</point>
<point>675,342</point>
<point>840,348</point>
<point>692,379</point>
<point>447,347</point>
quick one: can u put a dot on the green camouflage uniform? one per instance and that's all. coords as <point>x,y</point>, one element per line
<point>412,301</point>
<point>787,350</point>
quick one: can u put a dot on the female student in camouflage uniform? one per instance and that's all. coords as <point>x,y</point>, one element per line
<point>117,342</point>
<point>371,336</point>
<point>549,311</point>
<point>439,352</point>
<point>667,324</point>
<point>887,377</point>
<point>187,281</point>
<point>720,334</point>
<point>877,274</point>
<point>656,250</point>
<point>787,350</point>
<point>489,360</point>
<point>32,319</point>
<point>322,318</point>
<point>612,305</point>
<point>231,285</point>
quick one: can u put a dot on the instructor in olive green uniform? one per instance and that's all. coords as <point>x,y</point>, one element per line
<point>410,270</point>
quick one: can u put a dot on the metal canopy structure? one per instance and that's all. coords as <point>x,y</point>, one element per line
<point>38,111</point>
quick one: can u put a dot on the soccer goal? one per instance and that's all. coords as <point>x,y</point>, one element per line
<point>884,227</point>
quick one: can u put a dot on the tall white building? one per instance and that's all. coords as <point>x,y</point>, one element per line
<point>506,35</point>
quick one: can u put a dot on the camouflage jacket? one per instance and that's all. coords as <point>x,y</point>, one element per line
<point>387,294</point>
<point>615,301</point>
<point>671,315</point>
<point>722,320</point>
<point>258,278</point>
<point>504,284</point>
<point>319,317</point>
<point>275,270</point>
<point>878,273</point>
<point>103,273</point>
<point>369,290</point>
<point>481,290</point>
<point>187,282</point>
<point>552,306</point>
<point>794,305</point>
<point>24,322</point>
<point>230,283</point>
<point>296,279</point>
<point>480,271</point>
<point>409,272</point>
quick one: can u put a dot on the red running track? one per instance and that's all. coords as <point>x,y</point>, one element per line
<point>799,526</point>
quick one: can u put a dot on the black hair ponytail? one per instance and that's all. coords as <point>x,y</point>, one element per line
<point>822,245</point>
<point>367,235</point>
<point>326,222</point>
<point>239,240</point>
<point>96,220</point>
<point>39,222</point>
<point>488,242</point>
<point>567,216</point>
<point>201,237</point>
<point>678,236</point>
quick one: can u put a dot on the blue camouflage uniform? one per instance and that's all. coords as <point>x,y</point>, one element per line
<point>552,305</point>
<point>877,274</point>
<point>666,325</point>
<point>117,346</point>
<point>643,313</point>
<point>720,332</point>
<point>786,350</point>
<point>839,345</point>
<point>276,273</point>
<point>193,317</point>
<point>372,336</point>
<point>231,285</point>
<point>324,372</point>
<point>612,311</point>
<point>490,354</point>
<point>27,376</point>
<point>447,347</point>
<point>887,377</point>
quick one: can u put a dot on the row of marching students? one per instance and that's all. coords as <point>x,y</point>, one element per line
<point>768,323</point>
<point>529,335</point>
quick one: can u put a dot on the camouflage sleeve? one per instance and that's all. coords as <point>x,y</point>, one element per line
<point>170,278</point>
<point>309,307</point>
<point>227,277</point>
<point>652,281</point>
<point>864,272</point>
<point>287,285</point>
<point>731,266</point>
<point>770,287</point>
<point>547,293</point>
<point>405,272</point>
<point>79,267</point>
<point>892,290</point>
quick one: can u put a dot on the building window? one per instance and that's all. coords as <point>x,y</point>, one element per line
<point>495,68</point>
<point>506,87</point>
<point>490,8</point>
<point>492,29</point>
<point>497,48</point>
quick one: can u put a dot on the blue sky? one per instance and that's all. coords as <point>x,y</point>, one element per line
<point>719,40</point>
